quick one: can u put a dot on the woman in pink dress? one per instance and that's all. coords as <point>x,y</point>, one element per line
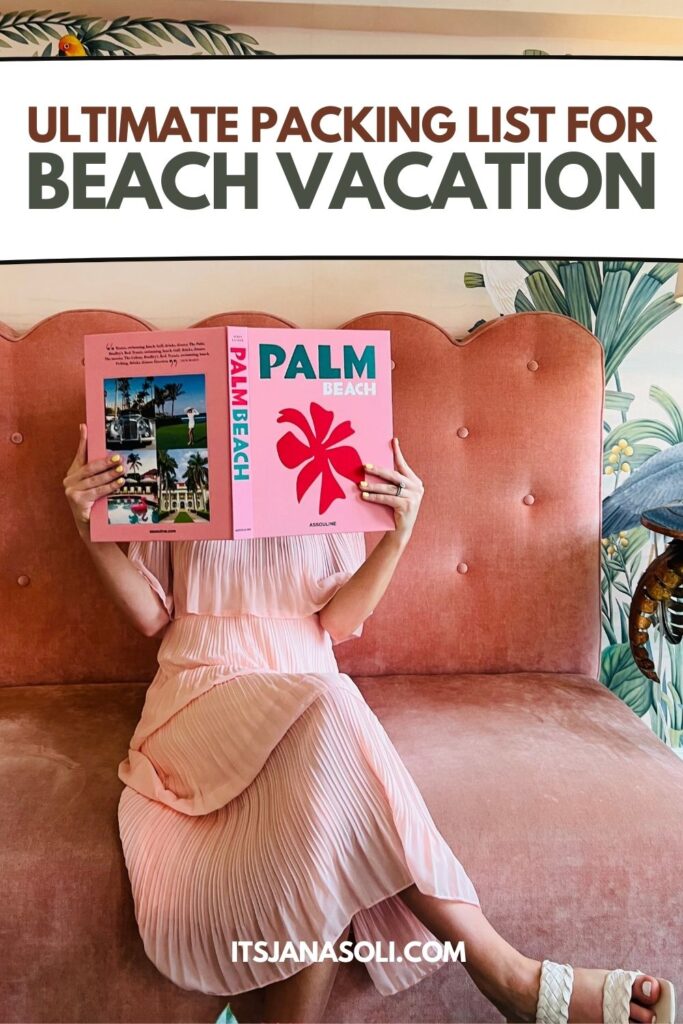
<point>263,799</point>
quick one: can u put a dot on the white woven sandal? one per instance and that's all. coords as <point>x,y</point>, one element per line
<point>555,991</point>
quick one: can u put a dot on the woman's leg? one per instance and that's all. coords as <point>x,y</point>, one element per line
<point>303,997</point>
<point>506,977</point>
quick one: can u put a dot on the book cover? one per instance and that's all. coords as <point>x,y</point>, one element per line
<point>307,408</point>
<point>238,432</point>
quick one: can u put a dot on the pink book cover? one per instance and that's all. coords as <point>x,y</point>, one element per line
<point>307,408</point>
<point>159,400</point>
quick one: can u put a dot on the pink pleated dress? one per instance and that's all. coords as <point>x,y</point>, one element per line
<point>263,800</point>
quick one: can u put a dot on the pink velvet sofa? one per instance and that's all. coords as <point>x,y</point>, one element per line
<point>480,661</point>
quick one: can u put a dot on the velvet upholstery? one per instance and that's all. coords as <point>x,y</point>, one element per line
<point>479,661</point>
<point>516,769</point>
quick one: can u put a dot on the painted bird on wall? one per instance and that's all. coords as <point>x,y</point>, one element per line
<point>658,482</point>
<point>71,46</point>
<point>503,279</point>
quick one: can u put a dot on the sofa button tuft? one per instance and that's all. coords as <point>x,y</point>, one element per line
<point>23,580</point>
<point>16,437</point>
<point>462,568</point>
<point>463,432</point>
<point>393,365</point>
<point>528,499</point>
<point>532,365</point>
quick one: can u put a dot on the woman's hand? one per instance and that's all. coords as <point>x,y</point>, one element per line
<point>406,504</point>
<point>85,481</point>
<point>357,598</point>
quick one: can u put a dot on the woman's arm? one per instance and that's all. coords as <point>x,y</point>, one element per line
<point>359,596</point>
<point>84,483</point>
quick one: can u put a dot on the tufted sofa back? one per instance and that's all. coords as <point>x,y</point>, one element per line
<point>501,574</point>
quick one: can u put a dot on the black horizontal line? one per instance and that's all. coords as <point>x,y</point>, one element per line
<point>350,56</point>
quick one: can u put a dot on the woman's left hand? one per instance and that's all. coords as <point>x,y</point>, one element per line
<point>406,504</point>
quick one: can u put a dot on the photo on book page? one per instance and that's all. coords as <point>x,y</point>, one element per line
<point>162,450</point>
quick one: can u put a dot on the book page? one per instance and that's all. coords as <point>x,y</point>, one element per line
<point>158,401</point>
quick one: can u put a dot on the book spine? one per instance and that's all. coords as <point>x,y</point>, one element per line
<point>241,461</point>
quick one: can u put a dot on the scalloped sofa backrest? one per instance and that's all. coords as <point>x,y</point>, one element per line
<point>502,571</point>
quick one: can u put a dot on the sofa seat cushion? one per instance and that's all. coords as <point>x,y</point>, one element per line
<point>557,800</point>
<point>561,804</point>
<point>71,949</point>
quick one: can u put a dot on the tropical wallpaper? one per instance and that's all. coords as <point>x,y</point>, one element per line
<point>630,307</point>
<point>63,34</point>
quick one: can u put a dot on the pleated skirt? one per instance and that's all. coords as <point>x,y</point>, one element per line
<point>319,826</point>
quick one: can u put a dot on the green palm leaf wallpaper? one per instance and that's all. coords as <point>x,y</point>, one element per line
<point>622,302</point>
<point>61,34</point>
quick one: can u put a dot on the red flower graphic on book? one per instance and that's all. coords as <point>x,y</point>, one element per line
<point>321,454</point>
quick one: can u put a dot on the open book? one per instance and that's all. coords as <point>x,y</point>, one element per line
<point>239,432</point>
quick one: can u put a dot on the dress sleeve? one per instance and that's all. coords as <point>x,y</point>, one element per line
<point>152,559</point>
<point>346,554</point>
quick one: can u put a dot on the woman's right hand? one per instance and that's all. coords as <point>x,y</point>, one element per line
<point>85,481</point>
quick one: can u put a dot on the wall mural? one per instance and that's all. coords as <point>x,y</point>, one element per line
<point>47,34</point>
<point>624,303</point>
<point>61,34</point>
